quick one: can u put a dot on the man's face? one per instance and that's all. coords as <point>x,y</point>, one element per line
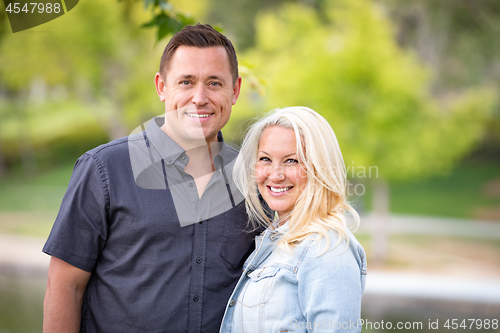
<point>198,92</point>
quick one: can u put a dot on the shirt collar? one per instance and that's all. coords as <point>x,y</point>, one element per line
<point>170,151</point>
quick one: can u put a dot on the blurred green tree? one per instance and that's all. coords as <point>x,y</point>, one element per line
<point>458,40</point>
<point>376,96</point>
<point>98,56</point>
<point>238,16</point>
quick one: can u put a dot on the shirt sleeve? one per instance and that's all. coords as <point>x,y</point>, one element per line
<point>330,286</point>
<point>80,230</point>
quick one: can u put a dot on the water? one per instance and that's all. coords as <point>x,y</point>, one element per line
<point>426,315</point>
<point>21,303</point>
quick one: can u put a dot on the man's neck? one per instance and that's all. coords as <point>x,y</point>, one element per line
<point>201,165</point>
<point>201,155</point>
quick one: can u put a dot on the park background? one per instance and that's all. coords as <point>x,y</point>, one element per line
<point>411,88</point>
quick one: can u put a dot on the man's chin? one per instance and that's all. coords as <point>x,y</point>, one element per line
<point>200,134</point>
<point>195,140</point>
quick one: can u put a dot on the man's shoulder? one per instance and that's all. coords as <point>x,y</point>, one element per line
<point>111,146</point>
<point>115,150</point>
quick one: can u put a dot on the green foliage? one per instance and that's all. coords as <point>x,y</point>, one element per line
<point>375,96</point>
<point>4,22</point>
<point>238,16</point>
<point>64,48</point>
<point>194,8</point>
<point>103,63</point>
<point>459,40</point>
<point>166,18</point>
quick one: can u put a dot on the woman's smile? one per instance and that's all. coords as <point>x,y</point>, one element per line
<point>280,176</point>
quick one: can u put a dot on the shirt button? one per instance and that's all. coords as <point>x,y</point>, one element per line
<point>169,160</point>
<point>183,157</point>
<point>232,302</point>
<point>196,298</point>
<point>198,260</point>
<point>190,184</point>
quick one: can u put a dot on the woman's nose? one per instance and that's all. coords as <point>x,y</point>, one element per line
<point>277,173</point>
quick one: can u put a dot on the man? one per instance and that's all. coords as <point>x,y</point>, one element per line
<point>151,233</point>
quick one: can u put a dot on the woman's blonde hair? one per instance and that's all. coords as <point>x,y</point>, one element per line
<point>323,202</point>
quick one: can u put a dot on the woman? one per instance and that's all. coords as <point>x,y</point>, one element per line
<point>308,271</point>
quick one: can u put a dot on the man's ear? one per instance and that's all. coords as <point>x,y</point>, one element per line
<point>160,87</point>
<point>236,89</point>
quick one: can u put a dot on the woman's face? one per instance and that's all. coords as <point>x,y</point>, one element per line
<point>280,176</point>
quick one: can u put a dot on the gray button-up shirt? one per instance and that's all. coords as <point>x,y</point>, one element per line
<point>162,259</point>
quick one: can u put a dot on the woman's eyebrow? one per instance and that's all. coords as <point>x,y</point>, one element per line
<point>287,155</point>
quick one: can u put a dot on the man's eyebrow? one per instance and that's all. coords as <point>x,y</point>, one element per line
<point>191,76</point>
<point>186,76</point>
<point>216,77</point>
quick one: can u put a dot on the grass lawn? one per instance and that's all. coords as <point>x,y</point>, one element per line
<point>29,205</point>
<point>43,191</point>
<point>460,194</point>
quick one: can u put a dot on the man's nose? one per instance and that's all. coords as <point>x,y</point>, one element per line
<point>200,95</point>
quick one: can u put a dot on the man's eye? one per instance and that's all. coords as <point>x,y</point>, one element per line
<point>213,83</point>
<point>184,82</point>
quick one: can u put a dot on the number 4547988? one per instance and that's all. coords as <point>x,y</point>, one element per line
<point>471,323</point>
<point>39,7</point>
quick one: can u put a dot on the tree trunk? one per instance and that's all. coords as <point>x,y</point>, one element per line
<point>380,227</point>
<point>3,167</point>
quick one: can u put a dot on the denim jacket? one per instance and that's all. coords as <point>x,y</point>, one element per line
<point>309,290</point>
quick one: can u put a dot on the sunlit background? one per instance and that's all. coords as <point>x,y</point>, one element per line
<point>411,89</point>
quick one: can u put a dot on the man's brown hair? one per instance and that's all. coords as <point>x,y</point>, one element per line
<point>199,35</point>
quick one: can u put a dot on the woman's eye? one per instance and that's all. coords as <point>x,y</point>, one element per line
<point>292,160</point>
<point>264,159</point>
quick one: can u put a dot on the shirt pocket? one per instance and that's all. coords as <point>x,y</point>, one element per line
<point>259,286</point>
